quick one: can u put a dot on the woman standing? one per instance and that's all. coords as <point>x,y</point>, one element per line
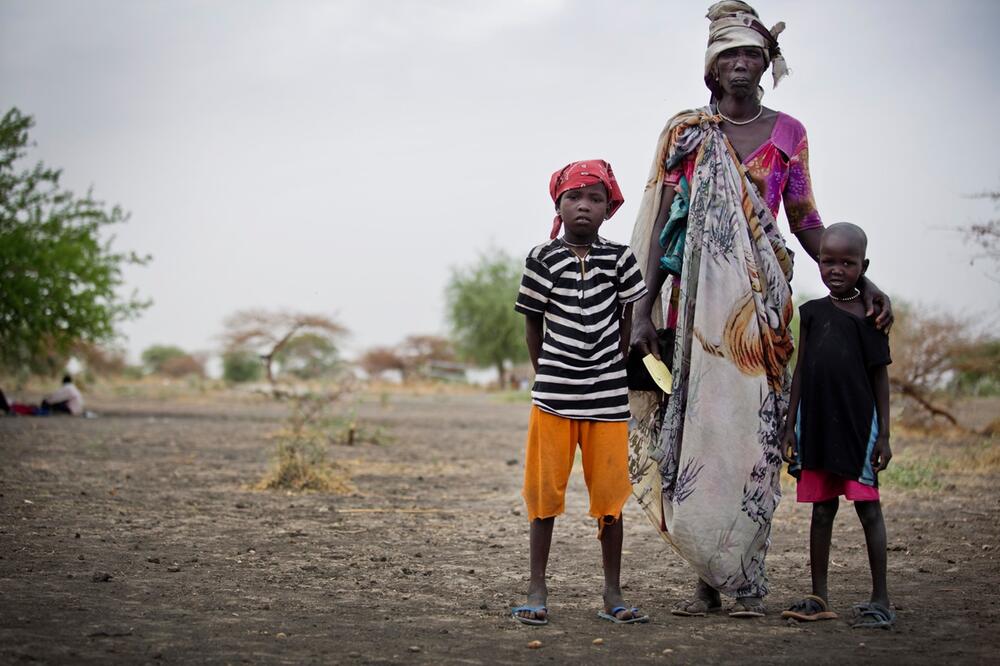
<point>705,465</point>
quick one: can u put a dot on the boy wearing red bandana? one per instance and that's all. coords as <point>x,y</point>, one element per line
<point>576,294</point>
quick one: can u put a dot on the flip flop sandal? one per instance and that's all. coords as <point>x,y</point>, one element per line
<point>635,619</point>
<point>858,609</point>
<point>534,621</point>
<point>741,609</point>
<point>810,609</point>
<point>694,608</point>
<point>875,616</point>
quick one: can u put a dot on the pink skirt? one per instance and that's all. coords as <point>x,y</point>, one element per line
<point>816,485</point>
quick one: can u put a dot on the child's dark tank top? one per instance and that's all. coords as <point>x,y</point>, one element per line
<point>837,421</point>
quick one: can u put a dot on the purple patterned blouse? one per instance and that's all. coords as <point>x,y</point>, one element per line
<point>780,169</point>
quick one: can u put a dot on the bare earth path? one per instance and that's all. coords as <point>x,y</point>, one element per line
<point>133,538</point>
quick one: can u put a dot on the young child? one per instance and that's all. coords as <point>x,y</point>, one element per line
<point>576,294</point>
<point>837,430</point>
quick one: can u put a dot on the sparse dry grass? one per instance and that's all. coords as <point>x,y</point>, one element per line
<point>301,463</point>
<point>302,468</point>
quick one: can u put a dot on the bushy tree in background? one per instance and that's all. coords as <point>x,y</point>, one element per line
<point>379,360</point>
<point>415,356</point>
<point>240,366</point>
<point>308,356</point>
<point>481,311</point>
<point>100,361</point>
<point>189,365</point>
<point>977,367</point>
<point>172,361</point>
<point>154,357</point>
<point>268,333</point>
<point>60,275</point>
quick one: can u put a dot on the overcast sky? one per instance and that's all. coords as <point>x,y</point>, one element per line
<point>342,157</point>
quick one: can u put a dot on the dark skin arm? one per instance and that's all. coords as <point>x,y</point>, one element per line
<point>876,302</point>
<point>789,446</point>
<point>533,336</point>
<point>626,329</point>
<point>881,453</point>
<point>644,333</point>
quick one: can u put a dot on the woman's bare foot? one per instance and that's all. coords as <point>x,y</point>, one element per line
<point>706,599</point>
<point>748,607</point>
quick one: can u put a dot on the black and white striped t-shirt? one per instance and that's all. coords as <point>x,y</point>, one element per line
<point>581,371</point>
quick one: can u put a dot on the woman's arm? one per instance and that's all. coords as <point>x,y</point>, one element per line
<point>809,240</point>
<point>644,333</point>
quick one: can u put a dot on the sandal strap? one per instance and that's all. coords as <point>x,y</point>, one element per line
<point>879,612</point>
<point>818,600</point>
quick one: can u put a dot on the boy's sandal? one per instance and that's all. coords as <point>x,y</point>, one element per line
<point>874,616</point>
<point>696,607</point>
<point>809,609</point>
<point>747,609</point>
<point>534,621</point>
<point>638,617</point>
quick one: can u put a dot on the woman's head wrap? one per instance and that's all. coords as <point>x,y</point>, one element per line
<point>582,174</point>
<point>735,24</point>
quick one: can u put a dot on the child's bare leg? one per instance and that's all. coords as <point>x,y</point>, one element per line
<point>612,537</point>
<point>541,541</point>
<point>820,535</point>
<point>870,514</point>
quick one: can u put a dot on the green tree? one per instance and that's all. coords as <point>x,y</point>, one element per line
<point>480,302</point>
<point>241,366</point>
<point>60,276</point>
<point>308,356</point>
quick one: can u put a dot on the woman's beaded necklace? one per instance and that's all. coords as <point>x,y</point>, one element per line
<point>760,110</point>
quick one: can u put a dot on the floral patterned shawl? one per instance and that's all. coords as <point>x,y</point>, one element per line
<point>706,468</point>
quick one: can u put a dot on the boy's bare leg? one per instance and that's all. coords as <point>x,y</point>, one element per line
<point>820,535</point>
<point>612,537</point>
<point>870,514</point>
<point>541,542</point>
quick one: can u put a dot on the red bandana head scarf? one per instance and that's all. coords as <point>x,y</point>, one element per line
<point>582,174</point>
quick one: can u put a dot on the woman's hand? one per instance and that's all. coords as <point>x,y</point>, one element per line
<point>877,303</point>
<point>644,338</point>
<point>789,447</point>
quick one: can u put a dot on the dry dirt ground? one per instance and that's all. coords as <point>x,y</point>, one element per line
<point>135,538</point>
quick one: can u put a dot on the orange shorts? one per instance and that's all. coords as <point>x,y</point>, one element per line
<point>552,442</point>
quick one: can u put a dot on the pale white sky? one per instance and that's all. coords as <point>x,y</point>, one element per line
<point>341,157</point>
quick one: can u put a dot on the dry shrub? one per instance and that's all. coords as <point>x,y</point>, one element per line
<point>302,467</point>
<point>101,361</point>
<point>301,462</point>
<point>183,366</point>
<point>924,345</point>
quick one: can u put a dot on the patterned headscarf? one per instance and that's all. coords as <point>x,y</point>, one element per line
<point>735,24</point>
<point>582,174</point>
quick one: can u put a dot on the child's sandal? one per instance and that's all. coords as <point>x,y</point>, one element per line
<point>809,609</point>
